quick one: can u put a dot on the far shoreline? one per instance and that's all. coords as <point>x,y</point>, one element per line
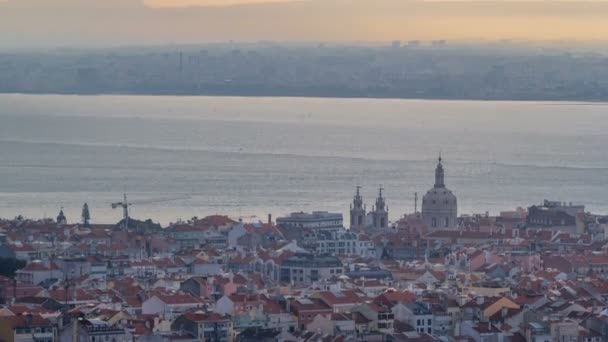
<point>563,101</point>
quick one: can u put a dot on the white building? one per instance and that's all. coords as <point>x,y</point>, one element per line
<point>343,242</point>
<point>169,305</point>
<point>318,220</point>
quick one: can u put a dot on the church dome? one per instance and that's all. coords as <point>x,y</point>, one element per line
<point>437,197</point>
<point>439,204</point>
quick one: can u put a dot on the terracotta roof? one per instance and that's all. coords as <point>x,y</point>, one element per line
<point>38,266</point>
<point>261,228</point>
<point>341,297</point>
<point>78,295</point>
<point>392,298</point>
<point>180,298</point>
<point>20,309</point>
<point>597,259</point>
<point>132,301</point>
<point>310,304</point>
<point>216,220</point>
<point>271,307</point>
<point>22,321</point>
<point>244,298</point>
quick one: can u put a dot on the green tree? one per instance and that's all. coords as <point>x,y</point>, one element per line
<point>86,215</point>
<point>8,266</point>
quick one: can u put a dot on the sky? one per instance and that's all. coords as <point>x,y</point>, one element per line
<point>32,23</point>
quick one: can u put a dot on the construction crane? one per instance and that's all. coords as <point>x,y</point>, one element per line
<point>125,204</point>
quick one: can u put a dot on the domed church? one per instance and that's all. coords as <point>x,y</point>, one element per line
<point>439,205</point>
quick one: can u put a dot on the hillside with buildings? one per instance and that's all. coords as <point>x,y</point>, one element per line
<point>437,70</point>
<point>536,274</point>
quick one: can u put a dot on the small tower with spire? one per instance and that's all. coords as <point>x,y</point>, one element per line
<point>439,175</point>
<point>357,211</point>
<point>380,212</point>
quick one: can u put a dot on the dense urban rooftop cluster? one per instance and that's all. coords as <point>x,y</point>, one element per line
<point>535,274</point>
<point>517,276</point>
<point>409,70</point>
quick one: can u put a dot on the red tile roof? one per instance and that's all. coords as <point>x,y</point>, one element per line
<point>22,321</point>
<point>342,297</point>
<point>215,220</point>
<point>179,298</point>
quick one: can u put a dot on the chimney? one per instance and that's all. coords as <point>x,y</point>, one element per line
<point>270,219</point>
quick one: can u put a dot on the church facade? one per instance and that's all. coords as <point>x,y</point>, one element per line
<point>377,218</point>
<point>439,204</point>
<point>439,207</point>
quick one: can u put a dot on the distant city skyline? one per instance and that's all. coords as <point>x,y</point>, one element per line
<point>38,23</point>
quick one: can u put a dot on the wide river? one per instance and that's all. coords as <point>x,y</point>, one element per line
<point>253,156</point>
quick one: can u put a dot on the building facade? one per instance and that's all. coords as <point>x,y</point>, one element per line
<point>317,220</point>
<point>308,268</point>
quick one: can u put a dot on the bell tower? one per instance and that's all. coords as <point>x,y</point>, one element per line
<point>380,211</point>
<point>357,211</point>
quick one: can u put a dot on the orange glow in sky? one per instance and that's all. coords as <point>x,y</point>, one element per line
<point>196,21</point>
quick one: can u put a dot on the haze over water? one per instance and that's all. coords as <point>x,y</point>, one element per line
<point>253,156</point>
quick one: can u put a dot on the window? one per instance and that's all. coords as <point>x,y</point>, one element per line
<point>429,321</point>
<point>447,222</point>
<point>434,222</point>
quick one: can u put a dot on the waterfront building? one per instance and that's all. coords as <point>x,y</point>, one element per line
<point>439,204</point>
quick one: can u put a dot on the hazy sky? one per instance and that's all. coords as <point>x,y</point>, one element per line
<point>112,22</point>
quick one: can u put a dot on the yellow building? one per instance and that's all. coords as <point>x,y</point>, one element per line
<point>27,328</point>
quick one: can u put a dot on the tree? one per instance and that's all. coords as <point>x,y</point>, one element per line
<point>86,215</point>
<point>8,266</point>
